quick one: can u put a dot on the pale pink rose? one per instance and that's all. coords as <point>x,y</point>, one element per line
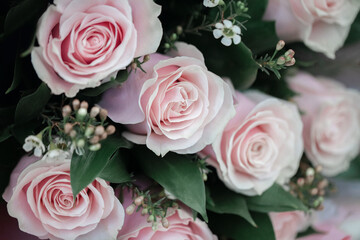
<point>84,43</point>
<point>322,25</point>
<point>341,212</point>
<point>181,226</point>
<point>177,105</point>
<point>43,204</point>
<point>331,117</point>
<point>328,233</point>
<point>261,145</point>
<point>288,224</point>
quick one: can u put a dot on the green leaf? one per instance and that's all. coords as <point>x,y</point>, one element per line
<point>222,200</point>
<point>178,175</point>
<point>354,34</point>
<point>266,30</point>
<point>115,170</point>
<point>235,227</point>
<point>30,106</point>
<point>307,232</point>
<point>275,199</point>
<point>27,11</point>
<point>18,73</point>
<point>257,9</point>
<point>235,61</point>
<point>353,171</point>
<point>120,78</point>
<point>5,133</point>
<point>85,168</point>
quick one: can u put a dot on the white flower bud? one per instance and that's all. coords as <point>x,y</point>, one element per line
<point>80,143</point>
<point>94,139</point>
<point>165,222</point>
<point>80,115</point>
<point>138,201</point>
<point>99,130</point>
<point>84,104</point>
<point>95,147</point>
<point>89,131</point>
<point>76,104</point>
<point>110,129</point>
<point>67,128</point>
<point>66,110</point>
<point>103,114</point>
<point>130,209</point>
<point>72,133</point>
<point>94,111</point>
<point>280,45</point>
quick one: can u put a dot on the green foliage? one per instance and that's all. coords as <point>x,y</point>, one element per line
<point>257,8</point>
<point>27,11</point>
<point>307,232</point>
<point>115,170</point>
<point>219,199</point>
<point>260,36</point>
<point>275,199</point>
<point>85,168</point>
<point>235,61</point>
<point>179,175</point>
<point>30,106</point>
<point>353,172</point>
<point>235,227</point>
<point>354,35</point>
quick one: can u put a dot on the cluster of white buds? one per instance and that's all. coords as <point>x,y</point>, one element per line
<point>311,187</point>
<point>85,128</point>
<point>153,207</point>
<point>288,58</point>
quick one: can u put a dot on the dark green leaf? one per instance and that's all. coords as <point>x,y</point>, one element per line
<point>5,134</point>
<point>85,168</point>
<point>225,201</point>
<point>30,106</point>
<point>25,12</point>
<point>115,170</point>
<point>236,227</point>
<point>256,43</point>
<point>275,199</point>
<point>354,34</point>
<point>18,73</point>
<point>178,175</point>
<point>120,78</point>
<point>307,232</point>
<point>353,172</point>
<point>235,61</point>
<point>257,9</point>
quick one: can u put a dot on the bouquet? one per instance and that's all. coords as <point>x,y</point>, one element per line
<point>165,119</point>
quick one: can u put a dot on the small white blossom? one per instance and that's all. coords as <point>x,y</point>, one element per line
<point>211,3</point>
<point>228,31</point>
<point>32,142</point>
<point>57,154</point>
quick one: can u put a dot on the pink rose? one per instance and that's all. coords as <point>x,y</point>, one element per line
<point>341,212</point>
<point>331,121</point>
<point>84,43</point>
<point>177,105</point>
<point>322,25</point>
<point>261,145</point>
<point>331,233</point>
<point>288,224</point>
<point>181,226</point>
<point>43,204</point>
